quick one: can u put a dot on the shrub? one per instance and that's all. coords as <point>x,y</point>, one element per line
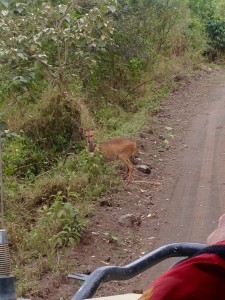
<point>58,225</point>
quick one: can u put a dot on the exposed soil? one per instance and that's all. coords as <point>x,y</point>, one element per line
<point>180,200</point>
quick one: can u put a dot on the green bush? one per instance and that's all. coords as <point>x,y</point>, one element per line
<point>211,13</point>
<point>216,31</point>
<point>23,159</point>
<point>58,225</point>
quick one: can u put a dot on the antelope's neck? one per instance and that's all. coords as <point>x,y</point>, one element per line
<point>91,147</point>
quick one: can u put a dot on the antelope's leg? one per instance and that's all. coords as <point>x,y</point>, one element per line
<point>130,166</point>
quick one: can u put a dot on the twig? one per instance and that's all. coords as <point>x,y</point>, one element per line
<point>136,88</point>
<point>67,155</point>
<point>141,181</point>
<point>70,5</point>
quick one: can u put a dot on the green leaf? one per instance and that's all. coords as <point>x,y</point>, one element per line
<point>4,2</point>
<point>4,12</point>
<point>111,8</point>
<point>21,79</point>
<point>62,8</point>
<point>67,18</point>
<point>22,56</point>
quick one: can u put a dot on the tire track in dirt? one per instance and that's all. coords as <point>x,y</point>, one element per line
<point>210,196</point>
<point>198,225</point>
<point>195,192</point>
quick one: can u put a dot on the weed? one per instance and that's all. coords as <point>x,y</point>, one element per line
<point>112,239</point>
<point>58,225</point>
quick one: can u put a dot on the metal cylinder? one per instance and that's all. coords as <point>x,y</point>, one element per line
<point>7,286</point>
<point>4,254</point>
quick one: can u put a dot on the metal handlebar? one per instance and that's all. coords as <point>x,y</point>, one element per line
<point>109,273</point>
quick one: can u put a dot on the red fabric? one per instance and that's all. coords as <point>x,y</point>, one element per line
<point>198,278</point>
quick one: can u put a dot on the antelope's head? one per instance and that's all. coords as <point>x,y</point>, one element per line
<point>88,134</point>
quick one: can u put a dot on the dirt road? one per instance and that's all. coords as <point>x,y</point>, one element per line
<point>194,186</point>
<point>180,201</point>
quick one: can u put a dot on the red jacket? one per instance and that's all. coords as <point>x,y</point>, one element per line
<point>201,277</point>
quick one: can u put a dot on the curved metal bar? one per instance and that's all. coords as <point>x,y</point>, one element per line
<point>109,273</point>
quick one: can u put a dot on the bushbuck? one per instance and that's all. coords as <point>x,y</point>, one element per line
<point>118,148</point>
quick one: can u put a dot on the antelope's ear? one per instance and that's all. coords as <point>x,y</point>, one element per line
<point>81,131</point>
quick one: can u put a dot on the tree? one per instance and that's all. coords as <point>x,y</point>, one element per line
<point>53,38</point>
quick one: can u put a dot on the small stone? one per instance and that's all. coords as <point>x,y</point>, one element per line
<point>144,169</point>
<point>129,220</point>
<point>168,128</point>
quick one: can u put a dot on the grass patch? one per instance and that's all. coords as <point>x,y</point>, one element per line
<point>47,214</point>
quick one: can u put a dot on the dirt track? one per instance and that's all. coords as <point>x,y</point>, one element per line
<point>180,201</point>
<point>195,181</point>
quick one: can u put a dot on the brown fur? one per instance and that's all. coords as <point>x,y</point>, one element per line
<point>118,148</point>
